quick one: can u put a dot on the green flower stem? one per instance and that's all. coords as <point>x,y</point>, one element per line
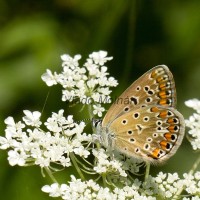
<point>90,111</point>
<point>73,159</point>
<point>104,179</point>
<point>147,172</point>
<point>49,172</point>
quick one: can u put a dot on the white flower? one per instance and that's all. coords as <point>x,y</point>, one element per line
<point>16,158</point>
<point>69,61</point>
<point>98,110</point>
<point>49,78</point>
<point>193,103</point>
<point>81,151</point>
<point>100,57</point>
<point>65,162</point>
<point>160,177</point>
<point>32,118</point>
<point>54,190</point>
<point>42,161</point>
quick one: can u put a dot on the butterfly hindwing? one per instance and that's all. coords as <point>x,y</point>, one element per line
<point>149,133</point>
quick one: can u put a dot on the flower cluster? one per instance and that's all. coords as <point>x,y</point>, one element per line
<point>163,186</point>
<point>115,166</point>
<point>106,166</point>
<point>194,123</point>
<point>88,190</point>
<point>28,144</point>
<point>88,84</point>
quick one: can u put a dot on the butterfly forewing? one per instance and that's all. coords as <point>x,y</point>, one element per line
<point>155,87</point>
<point>151,133</point>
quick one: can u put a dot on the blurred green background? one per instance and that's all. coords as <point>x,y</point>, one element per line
<point>138,34</point>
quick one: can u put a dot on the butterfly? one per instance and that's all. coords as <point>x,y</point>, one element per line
<point>147,126</point>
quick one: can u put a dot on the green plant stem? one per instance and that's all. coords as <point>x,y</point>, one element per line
<point>73,159</point>
<point>90,111</point>
<point>147,172</point>
<point>49,172</point>
<point>104,179</point>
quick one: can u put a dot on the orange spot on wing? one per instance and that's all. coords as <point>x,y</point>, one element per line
<point>163,114</point>
<point>159,79</point>
<point>171,128</point>
<point>162,94</point>
<point>163,102</point>
<point>154,109</point>
<point>170,120</point>
<point>168,136</point>
<point>162,86</point>
<point>155,153</point>
<point>163,144</point>
<point>153,74</point>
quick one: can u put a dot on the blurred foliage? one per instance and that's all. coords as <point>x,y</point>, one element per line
<point>138,34</point>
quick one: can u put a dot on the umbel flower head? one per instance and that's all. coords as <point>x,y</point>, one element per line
<point>29,144</point>
<point>87,84</point>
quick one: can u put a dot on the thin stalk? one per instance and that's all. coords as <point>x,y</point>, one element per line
<point>49,172</point>
<point>147,172</point>
<point>104,180</point>
<point>73,159</point>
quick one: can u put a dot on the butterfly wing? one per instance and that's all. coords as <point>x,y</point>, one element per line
<point>151,133</point>
<point>154,87</point>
